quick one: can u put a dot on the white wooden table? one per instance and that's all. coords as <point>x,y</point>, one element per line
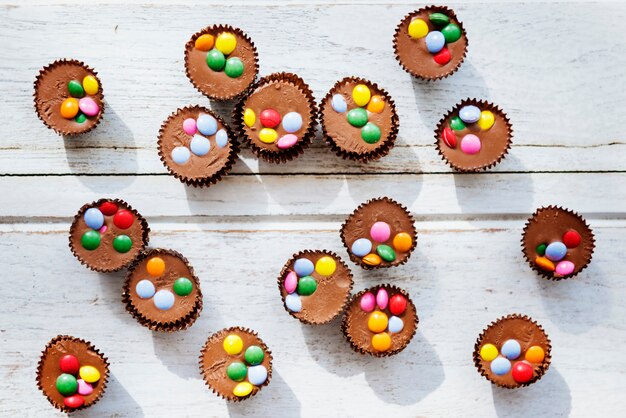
<point>557,69</point>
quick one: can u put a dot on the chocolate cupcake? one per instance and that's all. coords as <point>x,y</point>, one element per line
<point>557,243</point>
<point>359,120</point>
<point>107,235</point>
<point>162,292</point>
<point>221,61</point>
<point>379,233</point>
<point>315,286</point>
<point>72,373</point>
<point>235,363</point>
<point>430,43</point>
<point>380,321</point>
<point>68,97</point>
<point>512,352</point>
<point>475,135</point>
<point>196,146</point>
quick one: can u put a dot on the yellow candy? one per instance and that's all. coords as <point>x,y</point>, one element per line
<point>69,108</point>
<point>402,242</point>
<point>90,84</point>
<point>243,389</point>
<point>226,43</point>
<point>361,94</point>
<point>268,135</point>
<point>325,266</point>
<point>488,352</point>
<point>155,266</point>
<point>233,344</point>
<point>372,259</point>
<point>377,321</point>
<point>535,354</point>
<point>418,29</point>
<point>89,374</point>
<point>249,117</point>
<point>205,42</point>
<point>381,342</point>
<point>376,104</point>
<point>486,120</point>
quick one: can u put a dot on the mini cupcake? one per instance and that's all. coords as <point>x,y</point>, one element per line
<point>277,117</point>
<point>379,233</point>
<point>196,146</point>
<point>72,373</point>
<point>107,235</point>
<point>475,135</point>
<point>162,292</point>
<point>557,243</point>
<point>235,363</point>
<point>512,352</point>
<point>380,321</point>
<point>68,97</point>
<point>221,61</point>
<point>359,120</point>
<point>315,286</point>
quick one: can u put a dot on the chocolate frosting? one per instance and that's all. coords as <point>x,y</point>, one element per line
<point>413,55</point>
<point>547,225</point>
<point>527,332</point>
<point>332,291</point>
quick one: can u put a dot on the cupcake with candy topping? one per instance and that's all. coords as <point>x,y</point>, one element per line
<point>359,120</point>
<point>475,135</point>
<point>68,97</point>
<point>277,117</point>
<point>430,43</point>
<point>235,363</point>
<point>107,235</point>
<point>380,321</point>
<point>512,352</point>
<point>315,286</point>
<point>197,146</point>
<point>72,373</point>
<point>557,243</point>
<point>162,292</point>
<point>221,61</point>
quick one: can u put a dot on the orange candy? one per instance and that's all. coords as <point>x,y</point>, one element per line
<point>69,108</point>
<point>205,42</point>
<point>544,264</point>
<point>535,354</point>
<point>372,259</point>
<point>376,104</point>
<point>381,342</point>
<point>155,266</point>
<point>377,321</point>
<point>402,242</point>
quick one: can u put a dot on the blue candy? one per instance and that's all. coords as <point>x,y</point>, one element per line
<point>339,103</point>
<point>556,251</point>
<point>511,349</point>
<point>292,122</point>
<point>180,155</point>
<point>163,299</point>
<point>435,41</point>
<point>145,289</point>
<point>395,324</point>
<point>293,302</point>
<point>94,218</point>
<point>207,125</point>
<point>361,247</point>
<point>199,145</point>
<point>303,267</point>
<point>500,366</point>
<point>257,375</point>
<point>469,114</point>
<point>221,138</point>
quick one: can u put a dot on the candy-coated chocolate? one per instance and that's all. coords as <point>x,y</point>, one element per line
<point>325,266</point>
<point>449,138</point>
<point>535,354</point>
<point>69,364</point>
<point>90,84</point>
<point>199,145</point>
<point>66,384</point>
<point>511,349</point>
<point>451,32</point>
<point>204,42</point>
<point>357,117</point>
<point>234,67</point>
<point>123,219</point>
<point>435,41</point>
<point>418,28</point>
<point>368,302</point>
<point>381,342</point>
<point>338,103</point>
<point>565,267</point>
<point>74,401</point>
<point>443,56</point>
<point>402,242</point>
<point>94,218</point>
<point>206,124</point>
<point>380,231</point>
<point>249,117</point>
<point>287,141</point>
<point>90,240</point>
<point>377,322</point>
<point>268,135</point>
<point>555,251</point>
<point>108,208</point>
<point>386,252</point>
<point>189,126</point>
<point>488,352</point>
<point>233,344</point>
<point>376,104</point>
<point>242,389</point>
<point>145,289</point>
<point>183,286</point>
<point>257,375</point>
<point>395,324</point>
<point>544,264</point>
<point>500,366</point>
<point>486,121</point>
<point>303,267</point>
<point>80,118</point>
<point>89,374</point>
<point>397,304</point>
<point>291,282</point>
<point>254,355</point>
<point>221,138</point>
<point>370,133</point>
<point>307,286</point>
<point>84,388</point>
<point>269,118</point>
<point>155,266</point>
<point>470,144</point>
<point>122,244</point>
<point>372,259</point>
<point>215,60</point>
<point>361,94</point>
<point>361,247</point>
<point>293,302</point>
<point>382,298</point>
<point>571,239</point>
<point>88,106</point>
<point>69,108</point>
<point>457,124</point>
<point>75,89</point>
<point>292,122</point>
<point>180,155</point>
<point>164,299</point>
<point>103,229</point>
<point>439,19</point>
<point>541,249</point>
<point>469,114</point>
<point>522,372</point>
<point>236,371</point>
<point>226,43</point>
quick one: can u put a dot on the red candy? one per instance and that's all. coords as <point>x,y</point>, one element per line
<point>449,138</point>
<point>571,239</point>
<point>69,364</point>
<point>522,372</point>
<point>270,118</point>
<point>442,57</point>
<point>397,304</point>
<point>123,219</point>
<point>74,401</point>
<point>108,208</point>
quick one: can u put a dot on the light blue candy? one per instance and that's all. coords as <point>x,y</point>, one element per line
<point>199,145</point>
<point>469,114</point>
<point>292,122</point>
<point>361,247</point>
<point>293,302</point>
<point>221,138</point>
<point>435,41</point>
<point>395,324</point>
<point>339,103</point>
<point>511,349</point>
<point>500,366</point>
<point>257,375</point>
<point>163,299</point>
<point>94,218</point>
<point>556,251</point>
<point>303,267</point>
<point>145,289</point>
<point>207,125</point>
<point>180,155</point>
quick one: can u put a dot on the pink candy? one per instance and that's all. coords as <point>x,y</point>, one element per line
<point>287,141</point>
<point>368,303</point>
<point>564,268</point>
<point>88,106</point>
<point>189,126</point>
<point>380,232</point>
<point>382,298</point>
<point>291,282</point>
<point>103,229</point>
<point>470,144</point>
<point>84,388</point>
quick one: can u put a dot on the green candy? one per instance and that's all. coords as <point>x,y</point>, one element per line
<point>457,124</point>
<point>541,249</point>
<point>439,19</point>
<point>386,252</point>
<point>81,118</point>
<point>183,286</point>
<point>215,60</point>
<point>234,67</point>
<point>237,371</point>
<point>75,88</point>
<point>306,286</point>
<point>357,117</point>
<point>254,355</point>
<point>452,32</point>
<point>122,243</point>
<point>370,133</point>
<point>67,384</point>
<point>90,240</point>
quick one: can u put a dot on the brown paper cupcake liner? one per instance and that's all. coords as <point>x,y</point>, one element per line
<point>103,376</point>
<point>483,105</point>
<point>288,154</point>
<point>97,203</point>
<point>346,320</point>
<point>442,9</point>
<point>384,147</point>
<point>212,340</point>
<point>45,71</point>
<point>357,260</point>
<point>170,326</point>
<point>303,253</point>
<point>532,264</point>
<point>542,368</point>
<point>219,28</point>
<point>217,176</point>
